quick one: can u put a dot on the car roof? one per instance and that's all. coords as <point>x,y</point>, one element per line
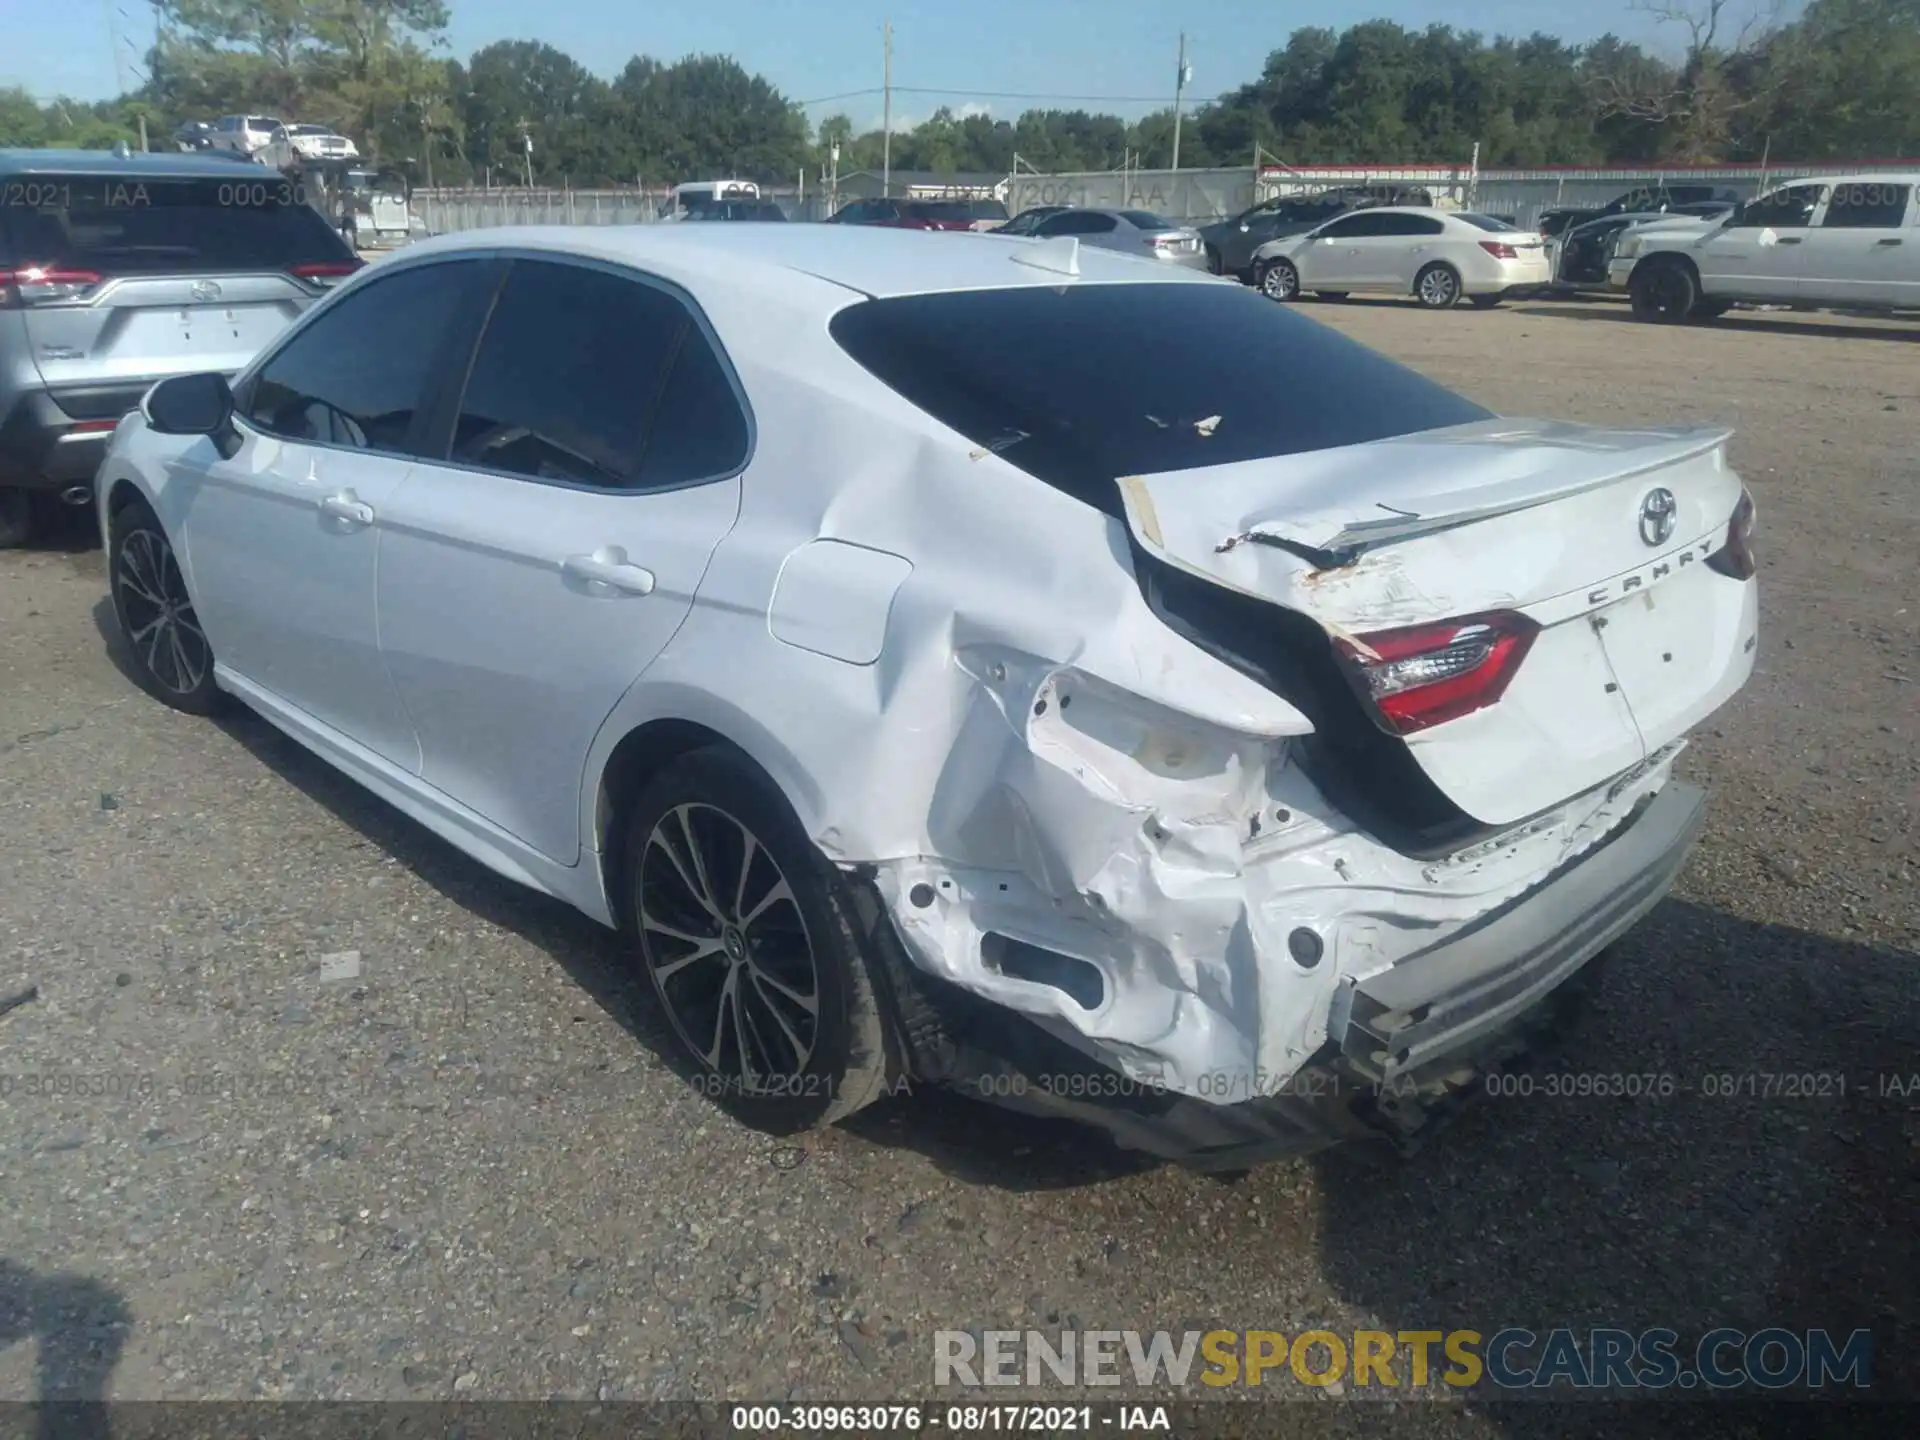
<point>105,163</point>
<point>1905,177</point>
<point>871,260</point>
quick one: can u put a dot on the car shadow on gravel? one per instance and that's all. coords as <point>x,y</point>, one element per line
<point>591,955</point>
<point>78,1326</point>
<point>1743,321</point>
<point>1778,1184</point>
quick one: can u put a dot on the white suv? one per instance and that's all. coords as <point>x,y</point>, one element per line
<point>1847,242</point>
<point>244,134</point>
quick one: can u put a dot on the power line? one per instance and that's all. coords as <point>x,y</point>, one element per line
<point>1005,95</point>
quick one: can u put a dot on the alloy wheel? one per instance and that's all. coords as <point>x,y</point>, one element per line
<point>1278,282</point>
<point>160,621</point>
<point>1438,287</point>
<point>728,949</point>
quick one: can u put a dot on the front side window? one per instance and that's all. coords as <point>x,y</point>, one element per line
<point>358,374</point>
<point>1783,209</point>
<point>589,378</point>
<point>1229,376</point>
<point>1354,227</point>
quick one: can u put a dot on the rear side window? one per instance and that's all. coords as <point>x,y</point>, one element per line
<point>589,378</point>
<point>1008,370</point>
<point>143,225</point>
<point>1866,205</point>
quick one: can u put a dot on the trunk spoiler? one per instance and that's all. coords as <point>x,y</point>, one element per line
<point>1330,507</point>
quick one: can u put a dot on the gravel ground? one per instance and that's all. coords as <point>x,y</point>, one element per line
<point>465,1172</point>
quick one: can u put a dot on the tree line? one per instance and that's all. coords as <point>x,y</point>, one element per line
<point>1836,84</point>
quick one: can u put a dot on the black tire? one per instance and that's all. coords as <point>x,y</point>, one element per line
<point>685,898</point>
<point>17,516</point>
<point>1277,280</point>
<point>1484,302</point>
<point>166,646</point>
<point>1336,296</point>
<point>1437,287</point>
<point>1663,291</point>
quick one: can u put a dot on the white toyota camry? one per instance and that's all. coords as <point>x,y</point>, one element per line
<point>978,661</point>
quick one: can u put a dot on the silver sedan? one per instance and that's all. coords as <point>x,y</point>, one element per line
<point>1135,232</point>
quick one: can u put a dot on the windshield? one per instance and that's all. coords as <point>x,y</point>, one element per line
<point>1485,222</point>
<point>1147,220</point>
<point>1059,383</point>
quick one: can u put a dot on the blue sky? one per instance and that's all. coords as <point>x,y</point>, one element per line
<point>989,53</point>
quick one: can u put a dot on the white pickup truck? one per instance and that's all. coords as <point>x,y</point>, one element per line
<point>1844,242</point>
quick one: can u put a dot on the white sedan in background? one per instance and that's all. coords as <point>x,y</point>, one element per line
<point>1436,256</point>
<point>932,680</point>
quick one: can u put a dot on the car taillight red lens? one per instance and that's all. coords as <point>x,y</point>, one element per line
<point>323,272</point>
<point>35,284</point>
<point>1500,250</point>
<point>1736,557</point>
<point>1425,675</point>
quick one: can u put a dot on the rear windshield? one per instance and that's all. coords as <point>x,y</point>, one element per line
<point>1147,220</point>
<point>1485,222</point>
<point>986,210</point>
<point>1083,384</point>
<point>143,225</point>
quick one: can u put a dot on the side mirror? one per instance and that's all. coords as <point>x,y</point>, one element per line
<point>1245,225</point>
<point>194,405</point>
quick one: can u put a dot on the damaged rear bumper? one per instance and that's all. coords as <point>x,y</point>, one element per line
<point>1406,1044</point>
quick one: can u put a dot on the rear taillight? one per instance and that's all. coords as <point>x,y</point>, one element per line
<point>41,284</point>
<point>1736,557</point>
<point>1425,675</point>
<point>325,272</point>
<point>1499,250</point>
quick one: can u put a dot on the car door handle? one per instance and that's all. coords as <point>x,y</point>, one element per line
<point>348,509</point>
<point>609,566</point>
<point>1890,240</point>
<point>1788,240</point>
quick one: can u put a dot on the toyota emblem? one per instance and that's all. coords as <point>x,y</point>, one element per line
<point>205,290</point>
<point>1657,513</point>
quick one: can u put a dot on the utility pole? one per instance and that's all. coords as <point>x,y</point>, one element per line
<point>113,41</point>
<point>526,148</point>
<point>886,114</point>
<point>1184,74</point>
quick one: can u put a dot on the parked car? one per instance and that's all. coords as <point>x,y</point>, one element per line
<point>195,135</point>
<point>1437,256</point>
<point>756,210</point>
<point>1848,242</point>
<point>1312,761</point>
<point>1230,243</point>
<point>294,145</point>
<point>1580,257</point>
<point>1023,223</point>
<point>100,297</point>
<point>1645,199</point>
<point>246,135</point>
<point>1134,232</point>
<point>922,214</point>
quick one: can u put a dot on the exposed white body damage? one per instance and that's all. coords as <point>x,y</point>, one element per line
<point>951,672</point>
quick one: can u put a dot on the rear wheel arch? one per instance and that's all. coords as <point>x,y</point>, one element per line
<point>642,754</point>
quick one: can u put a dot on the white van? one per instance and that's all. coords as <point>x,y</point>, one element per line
<point>699,194</point>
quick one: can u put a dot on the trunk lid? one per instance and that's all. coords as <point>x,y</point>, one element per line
<point>1638,638</point>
